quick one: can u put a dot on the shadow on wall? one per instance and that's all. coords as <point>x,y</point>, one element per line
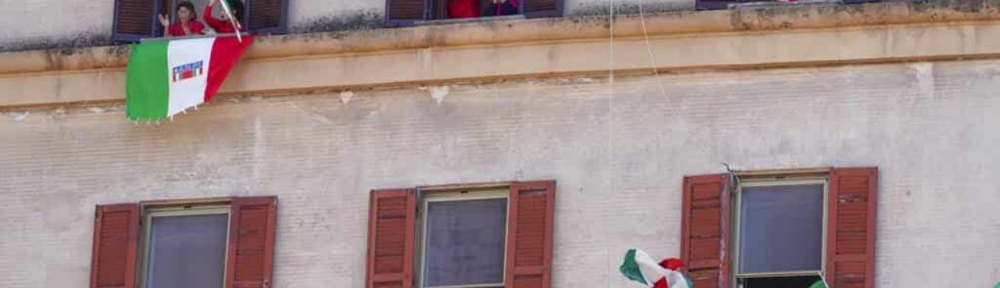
<point>83,40</point>
<point>359,20</point>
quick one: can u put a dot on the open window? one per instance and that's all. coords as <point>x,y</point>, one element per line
<point>780,229</point>
<point>137,19</point>
<point>462,236</point>
<point>724,4</point>
<point>411,12</point>
<point>197,243</point>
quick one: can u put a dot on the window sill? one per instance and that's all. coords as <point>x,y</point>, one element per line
<point>471,20</point>
<point>769,5</point>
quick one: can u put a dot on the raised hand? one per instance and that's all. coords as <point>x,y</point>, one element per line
<point>164,21</point>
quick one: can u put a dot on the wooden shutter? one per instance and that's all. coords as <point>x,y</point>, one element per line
<point>705,229</point>
<point>135,19</point>
<point>542,8</point>
<point>116,238</point>
<point>251,242</point>
<point>529,234</point>
<point>714,4</point>
<point>391,216</point>
<point>405,12</point>
<point>850,254</point>
<point>267,16</point>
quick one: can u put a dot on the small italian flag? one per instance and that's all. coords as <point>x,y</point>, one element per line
<point>639,267</point>
<point>167,77</point>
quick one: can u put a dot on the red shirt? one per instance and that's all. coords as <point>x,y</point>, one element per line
<point>463,9</point>
<point>218,25</point>
<point>177,29</point>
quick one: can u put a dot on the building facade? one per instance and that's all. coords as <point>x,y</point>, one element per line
<point>613,123</point>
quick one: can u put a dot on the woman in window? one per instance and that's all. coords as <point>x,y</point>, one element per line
<point>187,21</point>
<point>501,8</point>
<point>223,25</point>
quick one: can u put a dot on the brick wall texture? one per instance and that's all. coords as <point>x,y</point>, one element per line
<point>618,159</point>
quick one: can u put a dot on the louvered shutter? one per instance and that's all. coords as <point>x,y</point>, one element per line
<point>851,227</point>
<point>267,16</point>
<point>136,19</point>
<point>542,8</point>
<point>251,242</point>
<point>705,229</point>
<point>714,4</point>
<point>116,238</point>
<point>391,216</point>
<point>405,12</point>
<point>529,234</point>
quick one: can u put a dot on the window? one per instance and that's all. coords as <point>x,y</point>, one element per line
<point>463,239</point>
<point>185,247</point>
<point>410,12</point>
<point>137,19</point>
<point>780,228</point>
<point>724,4</point>
<point>211,243</point>
<point>779,233</point>
<point>476,235</point>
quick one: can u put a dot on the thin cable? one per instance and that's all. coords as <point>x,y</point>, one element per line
<point>649,49</point>
<point>611,119</point>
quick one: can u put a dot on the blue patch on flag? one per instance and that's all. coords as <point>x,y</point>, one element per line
<point>186,71</point>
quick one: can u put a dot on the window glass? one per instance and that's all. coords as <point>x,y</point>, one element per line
<point>465,242</point>
<point>781,228</point>
<point>187,251</point>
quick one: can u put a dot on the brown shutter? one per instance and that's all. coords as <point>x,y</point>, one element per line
<point>251,242</point>
<point>529,234</point>
<point>116,238</point>
<point>405,12</point>
<point>542,8</point>
<point>134,19</point>
<point>267,16</point>
<point>391,217</point>
<point>850,254</point>
<point>705,229</point>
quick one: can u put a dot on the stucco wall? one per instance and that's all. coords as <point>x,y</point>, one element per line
<point>35,24</point>
<point>931,128</point>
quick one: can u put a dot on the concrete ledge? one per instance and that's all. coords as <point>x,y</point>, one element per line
<point>788,36</point>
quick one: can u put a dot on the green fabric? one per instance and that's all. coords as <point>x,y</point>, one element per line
<point>997,286</point>
<point>147,87</point>
<point>630,268</point>
<point>818,284</point>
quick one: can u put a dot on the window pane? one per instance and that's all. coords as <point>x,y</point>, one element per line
<point>781,228</point>
<point>187,251</point>
<point>465,242</point>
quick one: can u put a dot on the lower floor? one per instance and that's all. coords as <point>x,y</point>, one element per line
<point>618,155</point>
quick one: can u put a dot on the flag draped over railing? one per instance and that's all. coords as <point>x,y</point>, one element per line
<point>166,77</point>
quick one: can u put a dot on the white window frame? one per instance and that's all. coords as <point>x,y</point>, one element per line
<point>735,242</point>
<point>189,210</point>
<point>463,195</point>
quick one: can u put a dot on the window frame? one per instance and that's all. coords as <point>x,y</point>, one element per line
<point>735,276</point>
<point>148,213</point>
<point>457,195</point>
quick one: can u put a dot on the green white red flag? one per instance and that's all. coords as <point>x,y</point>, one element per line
<point>165,78</point>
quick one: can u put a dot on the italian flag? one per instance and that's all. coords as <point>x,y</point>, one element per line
<point>167,77</point>
<point>639,267</point>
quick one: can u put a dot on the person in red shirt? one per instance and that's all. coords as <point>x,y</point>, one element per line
<point>463,9</point>
<point>222,25</point>
<point>187,23</point>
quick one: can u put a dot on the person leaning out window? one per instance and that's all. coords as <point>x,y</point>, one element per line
<point>187,21</point>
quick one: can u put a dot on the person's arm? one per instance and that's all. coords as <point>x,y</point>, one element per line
<point>165,23</point>
<point>216,24</point>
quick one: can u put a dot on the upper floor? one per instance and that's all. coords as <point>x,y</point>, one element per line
<point>105,22</point>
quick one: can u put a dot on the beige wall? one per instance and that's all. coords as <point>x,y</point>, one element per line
<point>931,128</point>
